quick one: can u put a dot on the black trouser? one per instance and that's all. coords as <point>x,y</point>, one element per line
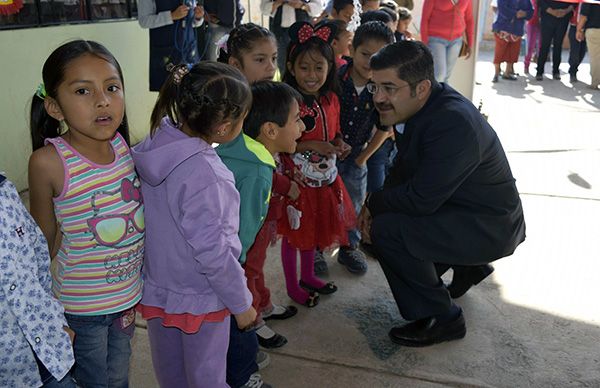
<point>577,50</point>
<point>415,284</point>
<point>553,32</point>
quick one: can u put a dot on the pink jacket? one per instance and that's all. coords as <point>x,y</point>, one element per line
<point>447,19</point>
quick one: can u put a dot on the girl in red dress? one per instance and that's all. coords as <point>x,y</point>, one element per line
<point>323,213</point>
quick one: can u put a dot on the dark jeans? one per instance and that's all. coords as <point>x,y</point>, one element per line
<point>355,180</point>
<point>417,289</point>
<point>379,164</point>
<point>577,50</point>
<point>50,381</point>
<point>241,356</point>
<point>553,33</point>
<point>102,348</point>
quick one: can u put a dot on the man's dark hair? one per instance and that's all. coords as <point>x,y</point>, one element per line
<point>271,102</point>
<point>372,31</point>
<point>412,60</point>
<point>371,16</point>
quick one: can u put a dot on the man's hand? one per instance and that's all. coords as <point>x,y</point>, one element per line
<point>521,14</point>
<point>294,191</point>
<point>364,224</point>
<point>580,35</point>
<point>198,12</point>
<point>245,319</point>
<point>180,12</point>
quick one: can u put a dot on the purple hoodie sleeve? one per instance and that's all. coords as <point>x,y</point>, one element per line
<point>210,222</point>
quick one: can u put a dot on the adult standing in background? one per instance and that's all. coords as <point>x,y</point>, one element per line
<point>533,37</point>
<point>172,35</point>
<point>508,32</point>
<point>223,16</point>
<point>588,27</point>
<point>285,13</point>
<point>577,49</point>
<point>554,20</point>
<point>444,23</point>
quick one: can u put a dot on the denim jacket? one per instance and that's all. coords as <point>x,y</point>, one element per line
<point>31,319</point>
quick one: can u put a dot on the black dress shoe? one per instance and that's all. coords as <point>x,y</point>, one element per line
<point>429,331</point>
<point>276,341</point>
<point>465,277</point>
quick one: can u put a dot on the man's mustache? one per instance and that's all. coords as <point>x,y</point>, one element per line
<point>383,106</point>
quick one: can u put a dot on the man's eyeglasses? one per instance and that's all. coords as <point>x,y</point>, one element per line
<point>388,90</point>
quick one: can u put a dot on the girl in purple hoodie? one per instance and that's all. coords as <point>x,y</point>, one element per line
<point>193,280</point>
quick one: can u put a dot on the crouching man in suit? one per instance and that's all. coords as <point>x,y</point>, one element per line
<point>450,199</point>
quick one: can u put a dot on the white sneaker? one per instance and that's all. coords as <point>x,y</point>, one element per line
<point>255,381</point>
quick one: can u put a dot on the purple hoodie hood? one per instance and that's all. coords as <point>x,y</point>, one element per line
<point>156,157</point>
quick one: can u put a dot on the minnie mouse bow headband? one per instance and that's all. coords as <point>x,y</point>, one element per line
<point>302,32</point>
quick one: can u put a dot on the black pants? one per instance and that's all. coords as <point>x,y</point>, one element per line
<point>577,50</point>
<point>553,32</point>
<point>415,283</point>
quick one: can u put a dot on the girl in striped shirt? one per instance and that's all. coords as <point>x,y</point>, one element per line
<point>85,196</point>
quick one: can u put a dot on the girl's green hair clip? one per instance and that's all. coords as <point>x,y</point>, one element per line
<point>41,91</point>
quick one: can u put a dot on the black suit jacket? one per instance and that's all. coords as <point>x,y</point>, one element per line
<point>451,186</point>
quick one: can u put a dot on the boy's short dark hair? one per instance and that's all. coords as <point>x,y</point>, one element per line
<point>393,14</point>
<point>379,15</point>
<point>339,5</point>
<point>404,13</point>
<point>372,31</point>
<point>271,102</point>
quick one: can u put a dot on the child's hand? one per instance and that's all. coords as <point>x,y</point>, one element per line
<point>294,191</point>
<point>342,148</point>
<point>324,148</point>
<point>245,319</point>
<point>70,332</point>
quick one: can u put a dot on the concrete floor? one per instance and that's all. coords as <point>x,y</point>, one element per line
<point>534,323</point>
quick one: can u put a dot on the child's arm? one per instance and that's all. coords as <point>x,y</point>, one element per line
<point>25,287</point>
<point>281,184</point>
<point>45,182</point>
<point>378,139</point>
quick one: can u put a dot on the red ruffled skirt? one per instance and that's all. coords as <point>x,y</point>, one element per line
<point>327,216</point>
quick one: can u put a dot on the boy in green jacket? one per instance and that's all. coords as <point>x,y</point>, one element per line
<point>273,125</point>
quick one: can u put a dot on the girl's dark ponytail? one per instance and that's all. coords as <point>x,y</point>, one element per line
<point>42,125</point>
<point>166,104</point>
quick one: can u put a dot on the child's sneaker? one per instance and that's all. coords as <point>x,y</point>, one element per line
<point>353,259</point>
<point>262,360</point>
<point>255,381</point>
<point>320,263</point>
